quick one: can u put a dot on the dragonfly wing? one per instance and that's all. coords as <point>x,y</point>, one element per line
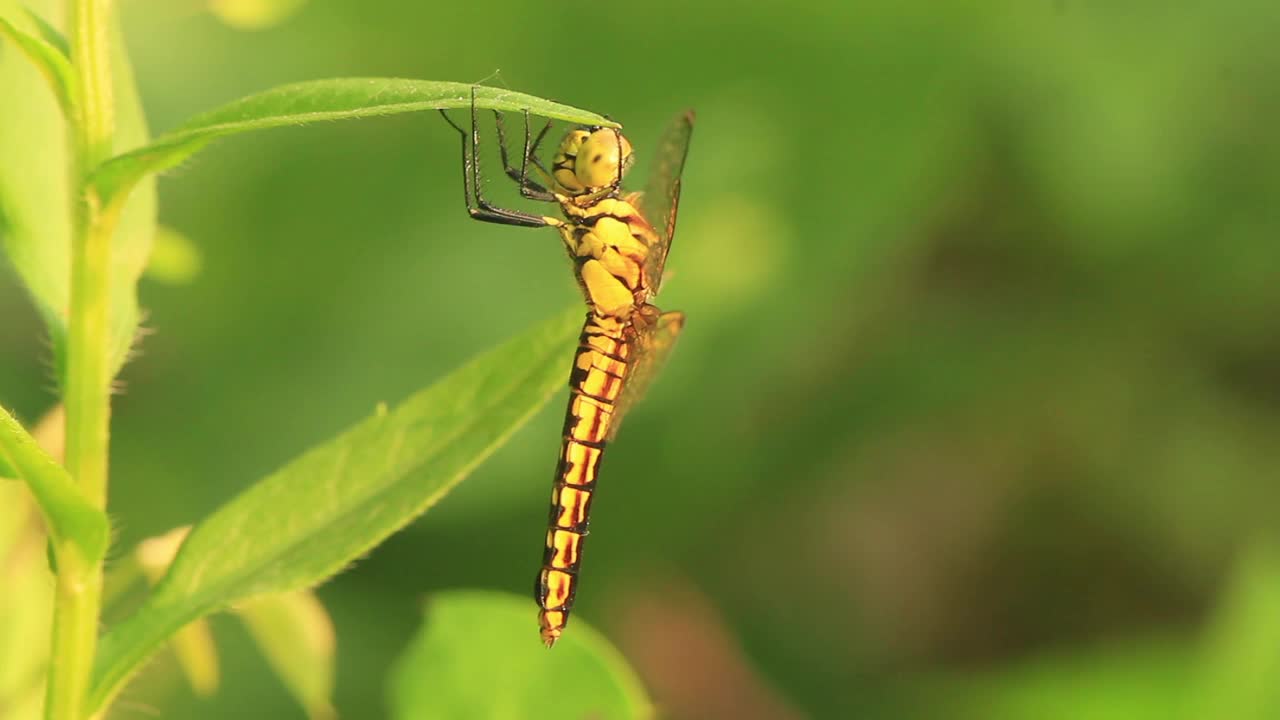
<point>661,197</point>
<point>649,352</point>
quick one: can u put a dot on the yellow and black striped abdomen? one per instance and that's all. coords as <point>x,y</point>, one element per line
<point>599,371</point>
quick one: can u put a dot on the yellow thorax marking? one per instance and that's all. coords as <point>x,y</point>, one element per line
<point>616,239</point>
<point>606,292</point>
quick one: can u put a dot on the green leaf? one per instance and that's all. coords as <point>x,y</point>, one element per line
<point>309,520</point>
<point>338,99</point>
<point>26,605</point>
<point>1242,658</point>
<point>193,645</point>
<point>479,656</point>
<point>35,196</point>
<point>294,632</point>
<point>292,629</point>
<point>197,655</point>
<point>29,34</point>
<point>47,32</point>
<point>72,521</point>
<point>34,191</point>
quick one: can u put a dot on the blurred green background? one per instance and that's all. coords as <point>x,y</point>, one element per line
<point>976,413</point>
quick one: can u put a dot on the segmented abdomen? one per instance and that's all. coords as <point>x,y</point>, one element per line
<point>599,370</point>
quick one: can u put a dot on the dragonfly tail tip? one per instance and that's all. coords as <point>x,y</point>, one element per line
<point>549,637</point>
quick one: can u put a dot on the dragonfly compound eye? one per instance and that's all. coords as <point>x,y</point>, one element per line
<point>566,159</point>
<point>600,156</point>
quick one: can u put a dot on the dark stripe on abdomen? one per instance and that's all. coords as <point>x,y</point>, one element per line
<point>596,381</point>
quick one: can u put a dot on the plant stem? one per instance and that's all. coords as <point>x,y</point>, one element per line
<point>88,377</point>
<point>94,131</point>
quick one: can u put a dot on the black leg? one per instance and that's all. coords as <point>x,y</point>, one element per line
<point>477,182</point>
<point>531,151</point>
<point>471,182</point>
<point>528,188</point>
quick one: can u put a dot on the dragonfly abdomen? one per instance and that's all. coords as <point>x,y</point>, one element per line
<point>599,370</point>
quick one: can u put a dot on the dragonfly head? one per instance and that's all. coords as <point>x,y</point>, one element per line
<point>592,158</point>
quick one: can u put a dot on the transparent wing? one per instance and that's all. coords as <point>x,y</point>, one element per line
<point>661,197</point>
<point>649,352</point>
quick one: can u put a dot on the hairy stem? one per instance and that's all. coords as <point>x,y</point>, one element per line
<point>87,390</point>
<point>94,127</point>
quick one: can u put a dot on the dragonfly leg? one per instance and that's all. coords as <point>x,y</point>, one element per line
<point>531,152</point>
<point>482,209</point>
<point>528,188</point>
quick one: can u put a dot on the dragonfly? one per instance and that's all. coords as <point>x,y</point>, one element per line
<point>617,242</point>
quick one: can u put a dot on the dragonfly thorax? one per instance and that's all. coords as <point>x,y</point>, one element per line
<point>589,160</point>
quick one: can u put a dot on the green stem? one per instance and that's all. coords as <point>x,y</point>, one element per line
<point>91,57</point>
<point>78,599</point>
<point>75,637</point>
